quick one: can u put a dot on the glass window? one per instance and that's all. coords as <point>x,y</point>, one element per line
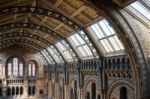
<point>32,68</point>
<point>55,54</point>
<point>42,57</point>
<point>15,67</point>
<point>47,57</point>
<point>20,69</point>
<point>81,45</point>
<point>141,9</point>
<point>66,51</point>
<point>9,69</point>
<point>29,70</point>
<point>1,70</point>
<point>106,36</point>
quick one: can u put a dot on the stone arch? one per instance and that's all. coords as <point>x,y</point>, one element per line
<point>123,93</point>
<point>120,84</point>
<point>132,43</point>
<point>88,81</point>
<point>93,90</point>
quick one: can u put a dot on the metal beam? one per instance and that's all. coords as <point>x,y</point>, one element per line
<point>31,26</point>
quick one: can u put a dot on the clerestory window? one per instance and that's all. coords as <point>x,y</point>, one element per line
<point>15,67</point>
<point>32,68</point>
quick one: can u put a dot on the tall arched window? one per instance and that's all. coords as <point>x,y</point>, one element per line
<point>15,66</point>
<point>93,90</point>
<point>8,91</point>
<point>123,93</point>
<point>32,66</point>
<point>75,89</point>
<point>1,92</point>
<point>98,97</point>
<point>21,90</point>
<point>1,70</point>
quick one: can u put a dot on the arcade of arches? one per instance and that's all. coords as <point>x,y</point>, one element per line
<point>74,49</point>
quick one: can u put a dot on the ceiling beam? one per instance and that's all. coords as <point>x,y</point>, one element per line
<point>33,26</point>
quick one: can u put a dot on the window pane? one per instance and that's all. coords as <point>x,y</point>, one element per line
<point>106,45</point>
<point>82,51</point>
<point>82,47</point>
<point>119,43</point>
<point>105,28</point>
<point>77,39</point>
<point>1,70</point>
<point>106,35</point>
<point>97,31</point>
<point>9,69</point>
<point>64,48</point>
<point>33,69</point>
<point>114,43</point>
<point>141,9</point>
<point>87,50</point>
<point>15,67</point>
<point>20,69</point>
<point>29,70</point>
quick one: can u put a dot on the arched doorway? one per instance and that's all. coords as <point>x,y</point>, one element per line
<point>93,91</point>
<point>123,93</point>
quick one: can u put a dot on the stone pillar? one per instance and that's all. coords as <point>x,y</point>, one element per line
<point>67,92</point>
<point>82,93</point>
<point>25,88</point>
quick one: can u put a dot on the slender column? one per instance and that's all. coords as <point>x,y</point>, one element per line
<point>67,91</point>
<point>82,93</point>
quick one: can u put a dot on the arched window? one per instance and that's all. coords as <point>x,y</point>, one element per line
<point>1,92</point>
<point>123,93</point>
<point>1,70</point>
<point>93,90</point>
<point>8,91</point>
<point>21,90</point>
<point>98,97</point>
<point>13,91</point>
<point>29,90</point>
<point>32,68</point>
<point>15,66</point>
<point>33,90</point>
<point>17,90</point>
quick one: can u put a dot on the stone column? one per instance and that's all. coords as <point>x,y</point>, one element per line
<point>82,93</point>
<point>25,89</point>
<point>67,92</point>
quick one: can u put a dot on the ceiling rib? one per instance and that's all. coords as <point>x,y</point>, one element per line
<point>31,26</point>
<point>23,40</point>
<point>25,34</point>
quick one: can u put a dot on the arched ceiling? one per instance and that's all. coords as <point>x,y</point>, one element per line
<point>42,22</point>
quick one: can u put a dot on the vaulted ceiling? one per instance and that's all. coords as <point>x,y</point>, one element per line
<point>36,24</point>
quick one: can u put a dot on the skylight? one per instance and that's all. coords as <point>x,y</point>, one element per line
<point>40,54</point>
<point>106,36</point>
<point>55,54</point>
<point>78,42</point>
<point>47,57</point>
<point>141,9</point>
<point>66,51</point>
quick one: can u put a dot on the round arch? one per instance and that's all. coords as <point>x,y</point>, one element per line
<point>115,84</point>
